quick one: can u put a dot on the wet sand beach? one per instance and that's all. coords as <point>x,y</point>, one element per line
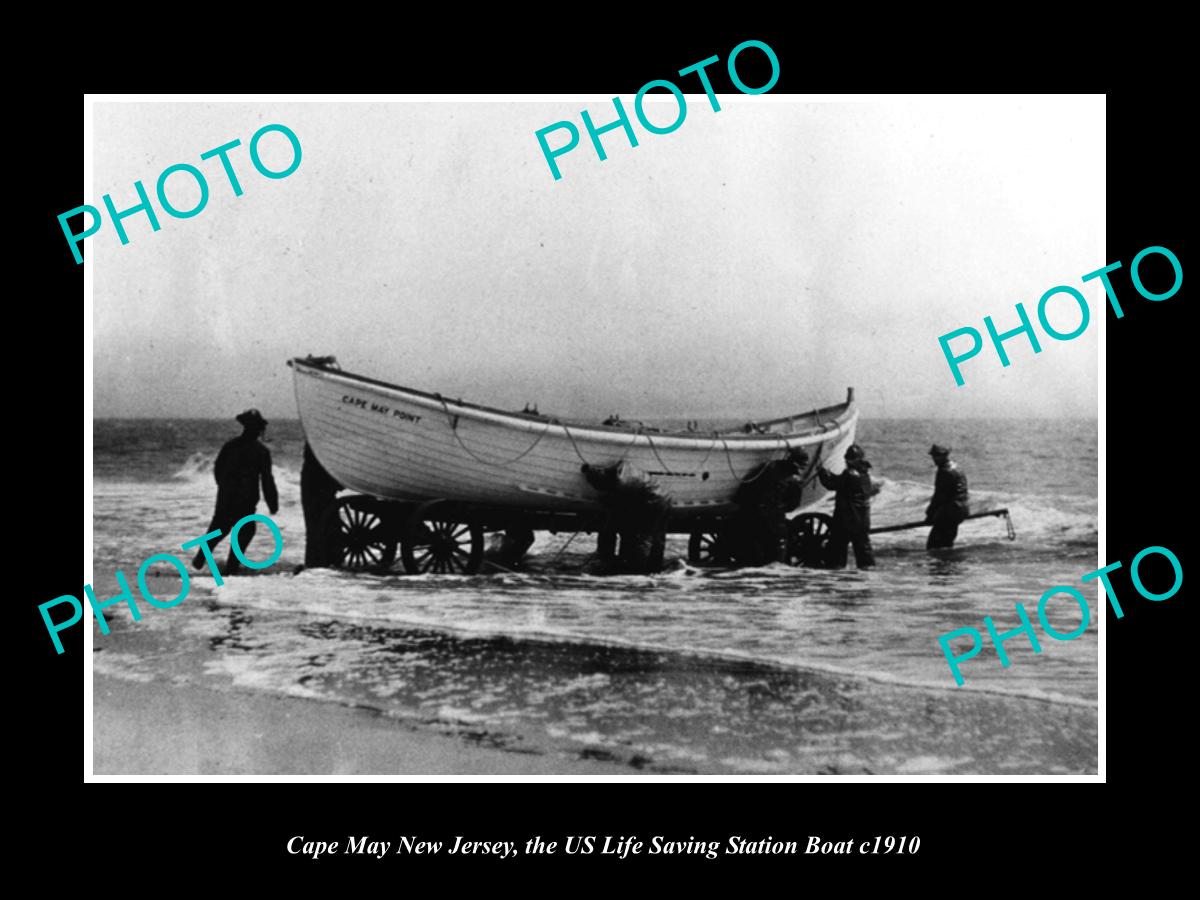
<point>162,728</point>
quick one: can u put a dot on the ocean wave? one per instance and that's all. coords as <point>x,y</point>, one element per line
<point>198,467</point>
<point>279,594</point>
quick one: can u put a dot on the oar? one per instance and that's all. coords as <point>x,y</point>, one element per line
<point>1012,533</point>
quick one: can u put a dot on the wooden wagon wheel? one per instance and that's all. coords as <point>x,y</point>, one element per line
<point>709,548</point>
<point>356,535</point>
<point>808,534</point>
<point>439,542</point>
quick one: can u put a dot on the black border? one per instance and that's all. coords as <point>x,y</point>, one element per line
<point>966,828</point>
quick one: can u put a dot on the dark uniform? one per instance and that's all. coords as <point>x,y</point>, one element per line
<point>318,491</point>
<point>764,499</point>
<point>851,511</point>
<point>949,506</point>
<point>242,463</point>
<point>637,511</point>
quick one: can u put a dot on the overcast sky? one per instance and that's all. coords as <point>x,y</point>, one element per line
<point>755,262</point>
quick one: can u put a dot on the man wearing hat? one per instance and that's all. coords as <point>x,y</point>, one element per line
<point>851,510</point>
<point>240,465</point>
<point>949,504</point>
<point>764,498</point>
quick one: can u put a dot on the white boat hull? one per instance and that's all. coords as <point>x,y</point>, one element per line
<point>399,444</point>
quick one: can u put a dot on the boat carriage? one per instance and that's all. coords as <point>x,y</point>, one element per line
<point>432,475</point>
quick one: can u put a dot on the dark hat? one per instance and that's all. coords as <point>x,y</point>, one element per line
<point>855,452</point>
<point>250,418</point>
<point>939,450</point>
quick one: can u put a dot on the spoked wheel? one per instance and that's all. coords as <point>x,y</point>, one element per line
<point>709,548</point>
<point>357,537</point>
<point>808,534</point>
<point>444,547</point>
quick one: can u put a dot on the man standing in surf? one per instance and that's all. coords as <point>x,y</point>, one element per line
<point>242,463</point>
<point>948,508</point>
<point>851,511</point>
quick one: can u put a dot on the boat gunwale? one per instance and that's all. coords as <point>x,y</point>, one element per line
<point>840,415</point>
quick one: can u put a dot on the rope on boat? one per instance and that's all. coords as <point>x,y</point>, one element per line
<point>711,448</point>
<point>661,461</point>
<point>632,443</point>
<point>728,460</point>
<point>571,438</point>
<point>812,468</point>
<point>654,449</point>
<point>742,478</point>
<point>809,476</point>
<point>807,479</point>
<point>488,462</point>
